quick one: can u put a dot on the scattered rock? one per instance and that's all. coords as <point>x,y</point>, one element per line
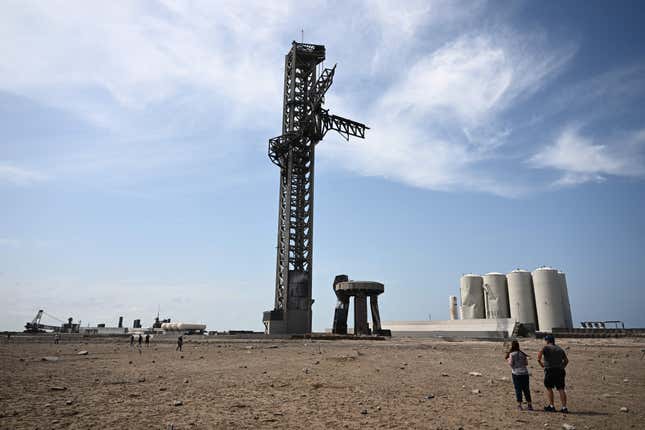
<point>186,381</point>
<point>364,412</point>
<point>201,357</point>
<point>142,379</point>
<point>129,362</point>
<point>58,388</point>
<point>306,370</point>
<point>430,397</point>
<point>50,358</point>
<point>153,362</point>
<point>162,388</point>
<point>177,403</point>
<point>69,402</point>
<point>82,352</point>
<point>625,380</point>
<point>504,378</point>
<point>475,391</point>
<point>474,374</point>
<point>566,426</point>
<point>181,356</point>
<point>444,374</point>
<point>624,409</point>
<point>378,408</point>
<point>317,362</point>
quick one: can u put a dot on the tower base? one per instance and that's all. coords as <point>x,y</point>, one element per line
<point>297,322</point>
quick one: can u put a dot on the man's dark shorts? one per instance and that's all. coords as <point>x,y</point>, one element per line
<point>554,378</point>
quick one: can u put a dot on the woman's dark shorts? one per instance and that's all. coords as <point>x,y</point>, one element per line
<point>554,378</point>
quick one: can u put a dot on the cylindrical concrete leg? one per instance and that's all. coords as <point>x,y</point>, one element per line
<point>376,316</point>
<point>360,314</point>
<point>340,316</point>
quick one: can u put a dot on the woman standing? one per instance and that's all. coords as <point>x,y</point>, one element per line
<point>518,362</point>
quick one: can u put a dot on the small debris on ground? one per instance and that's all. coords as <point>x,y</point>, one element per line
<point>177,403</point>
<point>474,374</point>
<point>624,409</point>
<point>82,352</point>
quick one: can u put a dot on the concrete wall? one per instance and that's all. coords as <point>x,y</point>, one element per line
<point>472,329</point>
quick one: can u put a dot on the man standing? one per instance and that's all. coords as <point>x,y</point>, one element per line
<point>180,343</point>
<point>555,361</point>
<point>147,340</point>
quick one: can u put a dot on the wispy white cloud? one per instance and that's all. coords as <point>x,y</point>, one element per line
<point>436,125</point>
<point>16,175</point>
<point>582,160</point>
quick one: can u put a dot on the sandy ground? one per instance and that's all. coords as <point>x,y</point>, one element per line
<point>309,384</point>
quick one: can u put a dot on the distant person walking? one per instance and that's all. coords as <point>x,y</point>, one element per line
<point>131,341</point>
<point>147,340</point>
<point>554,360</point>
<point>56,338</point>
<point>518,361</point>
<point>180,343</point>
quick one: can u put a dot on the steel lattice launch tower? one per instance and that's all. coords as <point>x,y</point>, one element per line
<point>304,124</point>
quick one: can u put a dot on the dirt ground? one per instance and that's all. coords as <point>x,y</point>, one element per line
<point>309,384</point>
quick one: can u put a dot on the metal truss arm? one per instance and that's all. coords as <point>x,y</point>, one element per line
<point>345,127</point>
<point>322,85</point>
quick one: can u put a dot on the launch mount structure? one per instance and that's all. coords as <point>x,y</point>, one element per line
<point>304,124</point>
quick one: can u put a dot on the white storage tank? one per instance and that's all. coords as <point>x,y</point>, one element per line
<point>565,299</point>
<point>496,296</point>
<point>182,326</point>
<point>472,297</point>
<point>549,301</point>
<point>452,303</point>
<point>190,326</point>
<point>521,300</point>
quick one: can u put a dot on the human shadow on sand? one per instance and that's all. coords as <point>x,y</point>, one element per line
<point>589,413</point>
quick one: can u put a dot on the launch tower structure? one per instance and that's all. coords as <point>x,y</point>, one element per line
<point>304,124</point>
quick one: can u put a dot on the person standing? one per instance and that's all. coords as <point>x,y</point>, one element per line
<point>180,343</point>
<point>131,341</point>
<point>554,360</point>
<point>147,340</point>
<point>518,361</point>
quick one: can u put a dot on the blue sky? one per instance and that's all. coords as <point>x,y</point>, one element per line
<point>133,167</point>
